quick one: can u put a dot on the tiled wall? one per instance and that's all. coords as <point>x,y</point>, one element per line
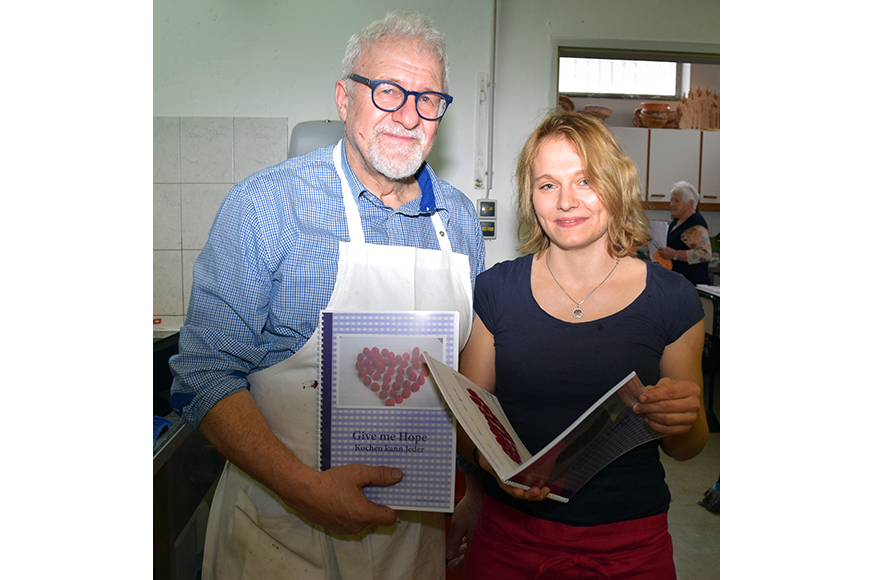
<point>196,162</point>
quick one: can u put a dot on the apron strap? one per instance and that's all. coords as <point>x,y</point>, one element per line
<point>441,234</point>
<point>352,214</point>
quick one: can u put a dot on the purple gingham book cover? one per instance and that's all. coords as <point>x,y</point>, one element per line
<point>379,405</point>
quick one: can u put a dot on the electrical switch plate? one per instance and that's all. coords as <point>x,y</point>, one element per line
<point>487,215</point>
<point>487,208</point>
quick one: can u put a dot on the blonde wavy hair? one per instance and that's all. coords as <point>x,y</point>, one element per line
<point>612,175</point>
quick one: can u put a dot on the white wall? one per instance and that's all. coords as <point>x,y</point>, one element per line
<point>225,58</point>
<point>228,58</point>
<point>196,161</point>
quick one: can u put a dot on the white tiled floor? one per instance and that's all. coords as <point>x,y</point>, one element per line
<point>696,532</point>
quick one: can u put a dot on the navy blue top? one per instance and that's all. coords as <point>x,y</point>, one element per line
<point>548,372</point>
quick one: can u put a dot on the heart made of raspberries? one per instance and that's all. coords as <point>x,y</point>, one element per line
<point>503,437</point>
<point>393,377</point>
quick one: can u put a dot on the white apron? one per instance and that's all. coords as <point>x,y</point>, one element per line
<point>254,535</point>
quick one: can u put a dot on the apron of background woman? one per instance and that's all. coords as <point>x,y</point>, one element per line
<point>253,534</point>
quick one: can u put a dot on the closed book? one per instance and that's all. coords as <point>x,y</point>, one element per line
<point>379,406</point>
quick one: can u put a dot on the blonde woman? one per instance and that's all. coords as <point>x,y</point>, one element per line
<point>555,329</point>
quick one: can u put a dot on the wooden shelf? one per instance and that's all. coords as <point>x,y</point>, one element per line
<point>664,205</point>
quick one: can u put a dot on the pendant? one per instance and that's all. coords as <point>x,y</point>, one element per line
<point>578,312</point>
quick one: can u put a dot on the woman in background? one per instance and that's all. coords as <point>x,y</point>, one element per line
<point>687,241</point>
<point>557,328</point>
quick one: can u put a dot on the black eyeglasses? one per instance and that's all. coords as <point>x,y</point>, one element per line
<point>389,97</point>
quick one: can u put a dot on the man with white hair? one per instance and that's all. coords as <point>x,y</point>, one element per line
<point>341,228</point>
<point>687,241</point>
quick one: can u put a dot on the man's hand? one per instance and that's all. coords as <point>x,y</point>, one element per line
<point>335,500</point>
<point>332,498</point>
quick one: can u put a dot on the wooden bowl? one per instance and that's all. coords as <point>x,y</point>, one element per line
<point>655,106</point>
<point>598,111</point>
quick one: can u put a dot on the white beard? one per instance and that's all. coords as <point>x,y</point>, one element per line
<point>400,162</point>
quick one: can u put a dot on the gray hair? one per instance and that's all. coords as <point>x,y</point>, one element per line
<point>688,192</point>
<point>403,25</point>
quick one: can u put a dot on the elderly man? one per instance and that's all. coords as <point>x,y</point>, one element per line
<point>346,227</point>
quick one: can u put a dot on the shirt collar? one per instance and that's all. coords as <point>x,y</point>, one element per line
<point>428,196</point>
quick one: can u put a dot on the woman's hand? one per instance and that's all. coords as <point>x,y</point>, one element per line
<point>670,407</point>
<point>536,492</point>
<point>667,253</point>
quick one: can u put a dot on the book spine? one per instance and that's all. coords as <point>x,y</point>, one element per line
<point>325,339</point>
<point>553,496</point>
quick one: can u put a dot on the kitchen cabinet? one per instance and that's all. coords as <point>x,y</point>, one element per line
<point>666,156</point>
<point>710,169</point>
<point>634,142</point>
<point>673,155</point>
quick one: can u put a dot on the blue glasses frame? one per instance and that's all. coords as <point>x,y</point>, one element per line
<point>373,83</point>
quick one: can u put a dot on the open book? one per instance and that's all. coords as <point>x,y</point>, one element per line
<point>607,430</point>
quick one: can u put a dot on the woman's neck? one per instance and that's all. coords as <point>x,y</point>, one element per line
<point>580,264</point>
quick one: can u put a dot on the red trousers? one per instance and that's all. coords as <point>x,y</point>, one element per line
<point>511,545</point>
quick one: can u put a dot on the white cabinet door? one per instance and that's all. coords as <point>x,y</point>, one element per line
<point>634,142</point>
<point>710,176</point>
<point>674,156</point>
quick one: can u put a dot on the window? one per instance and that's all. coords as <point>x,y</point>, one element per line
<point>618,77</point>
<point>625,74</point>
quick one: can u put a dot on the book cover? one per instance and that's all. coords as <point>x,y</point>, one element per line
<point>380,407</point>
<point>607,430</point>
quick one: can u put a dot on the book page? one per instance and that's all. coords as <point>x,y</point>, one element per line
<point>607,430</point>
<point>483,419</point>
<point>658,230</point>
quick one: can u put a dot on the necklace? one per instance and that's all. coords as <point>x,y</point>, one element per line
<point>577,312</point>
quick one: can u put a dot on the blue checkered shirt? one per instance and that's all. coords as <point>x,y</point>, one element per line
<point>270,262</point>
